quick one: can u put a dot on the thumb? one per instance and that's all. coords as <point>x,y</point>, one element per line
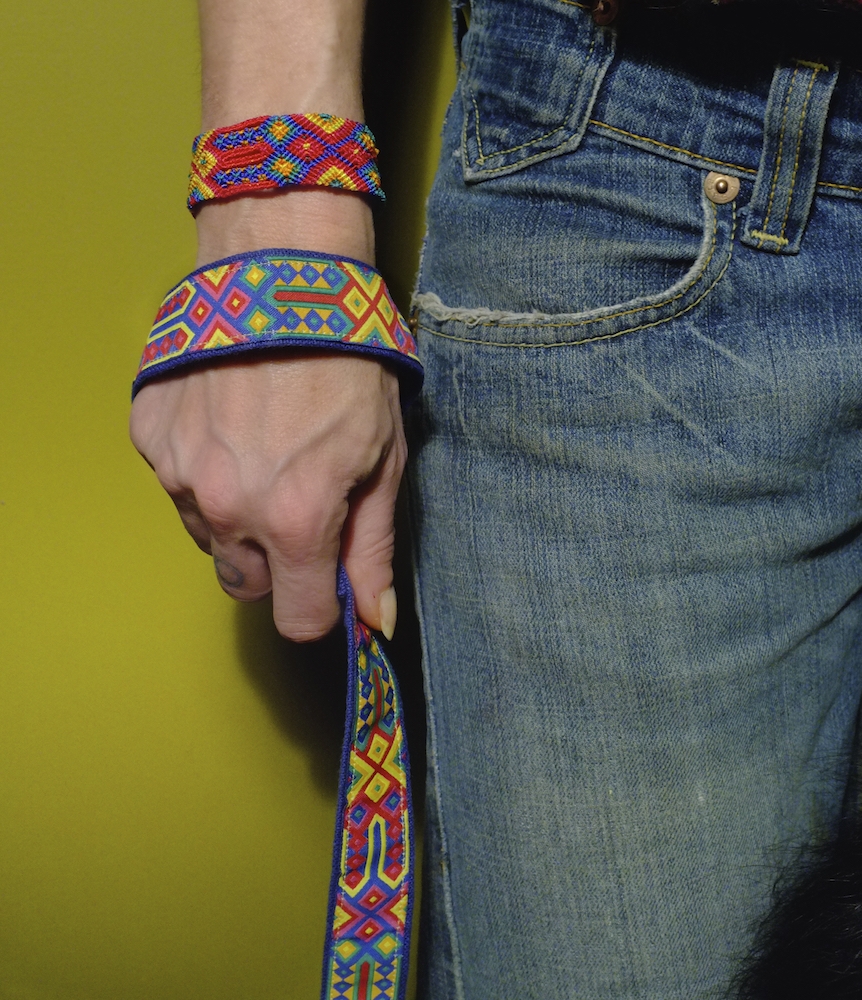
<point>367,547</point>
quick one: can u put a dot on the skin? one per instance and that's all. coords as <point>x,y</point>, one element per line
<point>280,466</point>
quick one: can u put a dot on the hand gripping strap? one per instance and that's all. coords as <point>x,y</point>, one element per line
<point>371,895</point>
<point>280,150</point>
<point>279,298</point>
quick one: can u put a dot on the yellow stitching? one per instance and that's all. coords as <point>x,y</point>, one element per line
<point>768,236</point>
<point>572,3</point>
<point>780,147</point>
<point>627,312</point>
<point>675,149</point>
<point>682,149</point>
<point>811,65</point>
<point>798,148</point>
<point>538,138</point>
<point>514,149</point>
<point>525,162</point>
<point>841,187</point>
<point>604,336</point>
<point>476,126</point>
<point>708,159</point>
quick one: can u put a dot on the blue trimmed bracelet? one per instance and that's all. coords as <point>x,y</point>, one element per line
<point>274,299</point>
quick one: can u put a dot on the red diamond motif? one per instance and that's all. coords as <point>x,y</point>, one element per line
<point>353,879</point>
<point>200,311</point>
<point>368,930</point>
<point>236,302</point>
<point>372,898</point>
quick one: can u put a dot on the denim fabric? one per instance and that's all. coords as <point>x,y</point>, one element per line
<point>637,499</point>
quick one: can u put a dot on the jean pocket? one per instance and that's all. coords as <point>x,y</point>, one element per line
<point>529,75</point>
<point>625,263</point>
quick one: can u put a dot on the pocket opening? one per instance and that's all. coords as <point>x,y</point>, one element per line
<point>529,79</point>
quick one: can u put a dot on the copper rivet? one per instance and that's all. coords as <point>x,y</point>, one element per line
<point>605,11</point>
<point>413,321</point>
<point>720,188</point>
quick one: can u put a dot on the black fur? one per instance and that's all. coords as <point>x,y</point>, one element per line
<point>809,947</point>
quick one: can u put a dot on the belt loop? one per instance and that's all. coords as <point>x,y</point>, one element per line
<point>789,163</point>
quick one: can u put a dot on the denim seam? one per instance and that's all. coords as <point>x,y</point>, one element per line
<point>806,104</point>
<point>701,158</point>
<point>605,336</point>
<point>673,149</point>
<point>812,65</point>
<point>764,237</point>
<point>513,149</point>
<point>572,3</point>
<point>432,741</point>
<point>639,309</point>
<point>839,187</point>
<point>777,168</point>
<point>524,145</point>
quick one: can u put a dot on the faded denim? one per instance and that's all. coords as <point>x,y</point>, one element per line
<point>637,498</point>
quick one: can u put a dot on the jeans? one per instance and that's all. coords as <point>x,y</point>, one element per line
<point>637,494</point>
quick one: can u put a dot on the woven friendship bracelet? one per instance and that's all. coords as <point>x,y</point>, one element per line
<point>371,894</point>
<point>281,150</point>
<point>275,299</point>
<point>281,298</point>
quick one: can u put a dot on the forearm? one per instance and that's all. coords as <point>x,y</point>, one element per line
<point>263,57</point>
<point>285,464</point>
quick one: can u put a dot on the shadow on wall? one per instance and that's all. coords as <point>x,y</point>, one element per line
<point>406,58</point>
<point>304,687</point>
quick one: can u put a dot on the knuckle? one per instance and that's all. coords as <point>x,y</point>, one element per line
<point>303,630</point>
<point>202,541</point>
<point>181,495</point>
<point>249,596</point>
<point>162,463</point>
<point>242,594</point>
<point>140,427</point>
<point>396,465</point>
<point>302,529</point>
<point>379,550</point>
<point>242,569</point>
<point>229,575</point>
<point>220,507</point>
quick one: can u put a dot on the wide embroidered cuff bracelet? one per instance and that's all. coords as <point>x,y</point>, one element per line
<point>274,299</point>
<point>371,893</point>
<point>280,150</point>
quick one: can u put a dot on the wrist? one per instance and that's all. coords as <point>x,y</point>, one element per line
<point>280,58</point>
<point>324,220</point>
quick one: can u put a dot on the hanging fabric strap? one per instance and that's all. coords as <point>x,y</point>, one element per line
<point>371,893</point>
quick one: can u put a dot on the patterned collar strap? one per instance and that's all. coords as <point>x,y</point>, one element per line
<point>275,299</point>
<point>280,150</point>
<point>371,894</point>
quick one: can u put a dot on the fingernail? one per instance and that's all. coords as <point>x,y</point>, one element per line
<point>388,610</point>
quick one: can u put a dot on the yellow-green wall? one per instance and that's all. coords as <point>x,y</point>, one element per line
<point>167,765</point>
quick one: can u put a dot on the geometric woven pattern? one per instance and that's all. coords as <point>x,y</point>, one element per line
<point>368,940</point>
<point>276,298</point>
<point>272,152</point>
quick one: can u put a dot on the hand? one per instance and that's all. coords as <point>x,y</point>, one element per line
<point>278,467</point>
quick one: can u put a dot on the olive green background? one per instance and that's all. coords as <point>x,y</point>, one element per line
<point>167,763</point>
